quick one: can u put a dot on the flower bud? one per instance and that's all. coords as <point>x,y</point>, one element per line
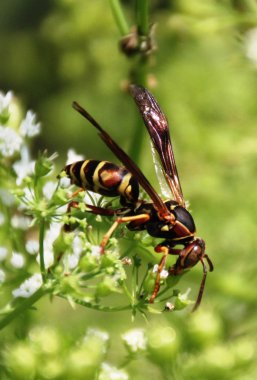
<point>163,344</point>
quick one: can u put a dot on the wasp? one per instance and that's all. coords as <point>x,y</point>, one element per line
<point>169,220</point>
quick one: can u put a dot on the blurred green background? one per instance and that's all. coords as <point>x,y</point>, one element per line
<point>205,70</point>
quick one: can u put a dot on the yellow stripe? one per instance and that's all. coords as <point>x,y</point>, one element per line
<point>82,174</point>
<point>124,188</point>
<point>96,182</point>
<point>74,179</point>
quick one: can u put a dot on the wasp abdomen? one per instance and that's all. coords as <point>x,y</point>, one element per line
<point>105,178</point>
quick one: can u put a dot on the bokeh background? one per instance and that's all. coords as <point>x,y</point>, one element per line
<point>205,78</point>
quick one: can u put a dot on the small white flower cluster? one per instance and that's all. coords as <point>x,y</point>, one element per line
<point>135,340</point>
<point>20,222</point>
<point>51,235</point>
<point>13,141</point>
<point>164,272</point>
<point>28,126</point>
<point>72,157</point>
<point>109,372</point>
<point>5,101</point>
<point>10,141</point>
<point>24,166</point>
<point>17,260</point>
<point>72,259</point>
<point>32,247</point>
<point>28,287</point>
<point>103,335</point>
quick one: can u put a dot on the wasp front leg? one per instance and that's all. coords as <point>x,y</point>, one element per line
<point>136,219</point>
<point>189,256</point>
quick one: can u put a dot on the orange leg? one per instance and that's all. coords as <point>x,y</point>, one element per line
<point>161,265</point>
<point>141,218</point>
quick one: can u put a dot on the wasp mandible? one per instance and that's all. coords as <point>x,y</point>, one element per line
<point>169,220</point>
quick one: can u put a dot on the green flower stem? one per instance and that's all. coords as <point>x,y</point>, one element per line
<point>139,74</point>
<point>119,17</point>
<point>97,306</point>
<point>134,280</point>
<point>41,249</point>
<point>23,306</point>
<point>126,291</point>
<point>142,20</point>
<point>137,139</point>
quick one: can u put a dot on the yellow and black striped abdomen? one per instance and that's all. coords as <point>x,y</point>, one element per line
<point>105,178</point>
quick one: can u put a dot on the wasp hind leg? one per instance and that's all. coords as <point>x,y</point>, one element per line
<point>137,219</point>
<point>161,266</point>
<point>89,208</point>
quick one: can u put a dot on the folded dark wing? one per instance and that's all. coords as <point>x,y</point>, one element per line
<point>157,126</point>
<point>126,160</point>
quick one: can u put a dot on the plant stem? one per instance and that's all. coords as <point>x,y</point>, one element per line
<point>41,249</point>
<point>139,73</point>
<point>26,304</point>
<point>96,306</point>
<point>142,20</point>
<point>119,17</point>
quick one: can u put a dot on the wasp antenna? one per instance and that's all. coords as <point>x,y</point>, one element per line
<point>200,293</point>
<point>211,266</point>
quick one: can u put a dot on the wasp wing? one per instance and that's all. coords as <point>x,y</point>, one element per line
<point>157,126</point>
<point>164,187</point>
<point>126,160</point>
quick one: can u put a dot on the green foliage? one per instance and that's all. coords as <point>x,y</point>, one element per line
<point>204,73</point>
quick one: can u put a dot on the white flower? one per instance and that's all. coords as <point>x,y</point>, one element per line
<point>5,101</point>
<point>28,287</point>
<point>184,297</point>
<point>17,260</point>
<point>65,182</point>
<point>3,253</point>
<point>20,222</point>
<point>103,335</point>
<point>28,126</point>
<point>164,272</point>
<point>27,198</point>
<point>32,247</point>
<point>51,235</point>
<point>77,246</point>
<point>48,257</point>
<point>49,189</point>
<point>109,372</point>
<point>2,218</point>
<point>96,251</point>
<point>72,261</point>
<point>72,156</point>
<point>25,166</point>
<point>6,197</point>
<point>135,340</point>
<point>2,276</point>
<point>10,141</point>
<point>251,45</point>
<point>91,197</point>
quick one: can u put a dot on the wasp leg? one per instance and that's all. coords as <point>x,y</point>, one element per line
<point>141,218</point>
<point>90,208</point>
<point>161,265</point>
